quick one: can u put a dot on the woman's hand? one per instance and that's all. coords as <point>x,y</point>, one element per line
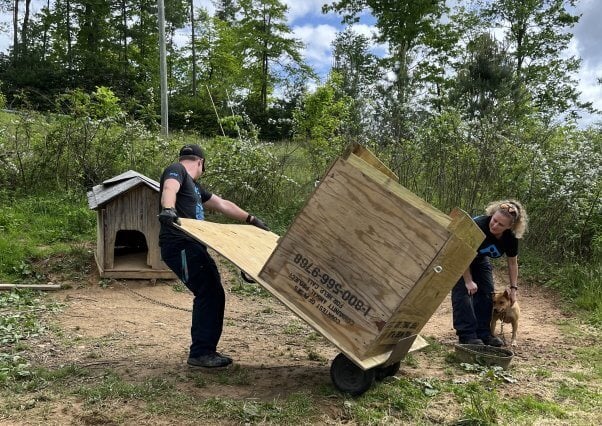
<point>512,294</point>
<point>471,287</point>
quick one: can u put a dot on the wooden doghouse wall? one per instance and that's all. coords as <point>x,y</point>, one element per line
<point>135,210</point>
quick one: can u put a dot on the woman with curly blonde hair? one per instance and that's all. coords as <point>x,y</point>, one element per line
<point>503,224</point>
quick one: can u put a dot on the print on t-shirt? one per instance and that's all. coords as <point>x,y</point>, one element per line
<point>200,212</point>
<point>491,251</point>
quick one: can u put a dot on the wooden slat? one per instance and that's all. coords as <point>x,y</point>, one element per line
<point>464,228</point>
<point>367,156</point>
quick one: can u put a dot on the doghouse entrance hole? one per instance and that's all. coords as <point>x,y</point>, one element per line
<point>130,249</point>
<point>128,242</point>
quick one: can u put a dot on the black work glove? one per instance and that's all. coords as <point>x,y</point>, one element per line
<point>169,216</point>
<point>257,222</point>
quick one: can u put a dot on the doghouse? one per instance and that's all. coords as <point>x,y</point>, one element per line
<point>127,230</point>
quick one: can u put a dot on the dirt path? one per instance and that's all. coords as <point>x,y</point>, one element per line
<point>141,330</point>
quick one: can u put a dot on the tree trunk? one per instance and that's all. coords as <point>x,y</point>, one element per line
<point>193,42</point>
<point>16,29</point>
<point>25,28</point>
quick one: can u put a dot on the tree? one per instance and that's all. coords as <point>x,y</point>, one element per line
<point>358,71</point>
<point>538,33</point>
<point>270,52</point>
<point>320,120</point>
<point>485,80</point>
<point>406,26</point>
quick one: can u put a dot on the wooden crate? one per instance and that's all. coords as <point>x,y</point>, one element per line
<point>366,262</point>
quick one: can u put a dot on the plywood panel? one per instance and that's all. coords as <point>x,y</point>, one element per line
<point>247,246</point>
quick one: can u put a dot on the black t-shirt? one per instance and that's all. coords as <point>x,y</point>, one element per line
<point>492,246</point>
<point>189,201</point>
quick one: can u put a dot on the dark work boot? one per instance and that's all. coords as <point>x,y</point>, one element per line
<point>493,341</point>
<point>213,360</point>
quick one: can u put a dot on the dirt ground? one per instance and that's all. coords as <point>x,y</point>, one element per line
<point>141,329</point>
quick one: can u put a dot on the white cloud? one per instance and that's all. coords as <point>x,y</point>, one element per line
<point>306,8</point>
<point>318,40</point>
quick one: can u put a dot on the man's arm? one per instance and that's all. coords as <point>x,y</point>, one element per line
<point>228,208</point>
<point>168,197</point>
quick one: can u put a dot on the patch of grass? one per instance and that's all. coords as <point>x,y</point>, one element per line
<point>312,355</point>
<point>112,387</point>
<point>242,288</point>
<point>54,221</point>
<point>579,394</point>
<point>293,328</point>
<point>542,373</point>
<point>235,375</point>
<point>591,356</point>
<point>410,361</point>
<point>528,406</point>
<point>19,319</point>
<point>395,401</point>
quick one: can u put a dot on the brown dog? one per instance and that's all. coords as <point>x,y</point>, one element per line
<point>506,313</point>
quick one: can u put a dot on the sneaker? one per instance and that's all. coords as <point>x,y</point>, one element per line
<point>471,341</point>
<point>213,360</point>
<point>493,341</point>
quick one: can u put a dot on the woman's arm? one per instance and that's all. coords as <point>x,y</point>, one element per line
<point>513,276</point>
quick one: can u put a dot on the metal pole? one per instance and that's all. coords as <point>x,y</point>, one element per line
<point>163,68</point>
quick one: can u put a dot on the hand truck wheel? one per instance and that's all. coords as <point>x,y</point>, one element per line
<point>383,372</point>
<point>348,377</point>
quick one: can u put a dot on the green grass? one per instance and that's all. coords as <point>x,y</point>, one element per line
<point>37,226</point>
<point>579,283</point>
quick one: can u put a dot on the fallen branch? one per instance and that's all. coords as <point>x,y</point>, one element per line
<point>45,287</point>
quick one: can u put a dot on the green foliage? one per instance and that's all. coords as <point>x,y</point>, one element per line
<point>320,123</point>
<point>249,174</point>
<point>52,220</point>
<point>581,285</point>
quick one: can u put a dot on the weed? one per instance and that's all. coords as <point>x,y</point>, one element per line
<point>530,405</point>
<point>235,375</point>
<point>293,328</point>
<point>246,289</point>
<point>312,355</point>
<point>410,361</point>
<point>542,373</point>
<point>179,287</point>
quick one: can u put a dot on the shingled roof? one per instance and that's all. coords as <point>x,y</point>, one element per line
<point>111,188</point>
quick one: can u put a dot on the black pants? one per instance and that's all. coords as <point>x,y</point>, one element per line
<point>191,262</point>
<point>472,314</point>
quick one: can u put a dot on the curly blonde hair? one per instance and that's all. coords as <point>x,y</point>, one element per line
<point>507,207</point>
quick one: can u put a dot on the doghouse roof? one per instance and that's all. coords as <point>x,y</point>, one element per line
<point>111,188</point>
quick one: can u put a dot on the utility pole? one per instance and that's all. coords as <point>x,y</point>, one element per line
<point>163,68</point>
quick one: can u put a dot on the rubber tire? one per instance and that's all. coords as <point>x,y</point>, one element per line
<point>390,370</point>
<point>348,377</point>
<point>247,278</point>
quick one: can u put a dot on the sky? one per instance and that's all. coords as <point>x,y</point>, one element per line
<point>317,31</point>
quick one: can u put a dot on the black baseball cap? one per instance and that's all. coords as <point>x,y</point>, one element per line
<point>192,149</point>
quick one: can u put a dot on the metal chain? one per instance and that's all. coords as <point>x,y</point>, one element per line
<point>167,305</point>
<point>156,302</point>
